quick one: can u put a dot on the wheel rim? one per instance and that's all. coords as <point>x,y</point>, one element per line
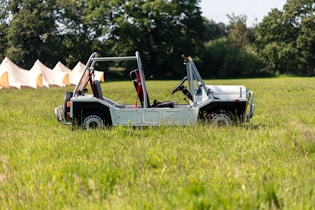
<point>221,120</point>
<point>92,122</point>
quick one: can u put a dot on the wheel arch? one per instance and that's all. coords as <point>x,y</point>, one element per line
<point>80,108</point>
<point>237,109</point>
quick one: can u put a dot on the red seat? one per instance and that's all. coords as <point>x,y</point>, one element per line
<point>135,77</point>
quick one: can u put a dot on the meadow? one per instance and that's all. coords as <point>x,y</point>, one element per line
<point>268,163</point>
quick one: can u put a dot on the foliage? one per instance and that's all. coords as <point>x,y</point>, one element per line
<point>161,30</point>
<point>233,55</point>
<point>238,31</point>
<point>51,31</point>
<point>286,38</point>
<point>31,26</point>
<point>58,30</point>
<point>223,59</point>
<point>3,28</point>
<point>266,164</point>
<point>77,40</point>
<point>213,30</point>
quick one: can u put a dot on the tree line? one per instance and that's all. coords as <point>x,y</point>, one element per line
<point>161,30</point>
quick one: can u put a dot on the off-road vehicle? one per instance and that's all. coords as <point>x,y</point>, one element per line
<point>217,104</point>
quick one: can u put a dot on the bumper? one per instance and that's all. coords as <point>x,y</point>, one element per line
<point>59,112</point>
<point>251,105</point>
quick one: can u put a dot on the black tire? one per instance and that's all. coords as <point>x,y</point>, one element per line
<point>220,118</point>
<point>93,120</point>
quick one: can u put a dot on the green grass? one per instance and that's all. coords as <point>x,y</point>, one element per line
<point>266,164</point>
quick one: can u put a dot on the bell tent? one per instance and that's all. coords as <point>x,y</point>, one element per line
<point>49,78</point>
<point>12,76</point>
<point>59,67</point>
<point>80,67</point>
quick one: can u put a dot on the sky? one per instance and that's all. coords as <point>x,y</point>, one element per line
<point>255,10</point>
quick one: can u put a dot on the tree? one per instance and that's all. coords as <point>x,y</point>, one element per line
<point>50,30</point>
<point>286,39</point>
<point>77,40</point>
<point>232,55</point>
<point>31,25</point>
<point>161,30</point>
<point>238,32</point>
<point>213,30</point>
<point>222,58</point>
<point>3,27</point>
<point>273,41</point>
<point>302,15</point>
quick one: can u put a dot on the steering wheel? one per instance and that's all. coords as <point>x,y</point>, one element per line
<point>180,85</point>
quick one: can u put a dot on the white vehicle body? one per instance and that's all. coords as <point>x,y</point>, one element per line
<point>218,104</point>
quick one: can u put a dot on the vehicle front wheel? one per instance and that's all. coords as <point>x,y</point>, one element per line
<point>92,120</point>
<point>220,118</point>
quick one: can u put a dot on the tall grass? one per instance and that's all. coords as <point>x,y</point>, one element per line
<point>265,164</point>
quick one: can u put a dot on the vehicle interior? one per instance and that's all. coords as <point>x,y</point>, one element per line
<point>138,80</point>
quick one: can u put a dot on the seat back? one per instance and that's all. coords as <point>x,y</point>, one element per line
<point>135,77</point>
<point>97,90</point>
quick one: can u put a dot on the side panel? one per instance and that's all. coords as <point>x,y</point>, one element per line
<point>170,116</point>
<point>155,116</point>
<point>126,116</point>
<point>184,115</point>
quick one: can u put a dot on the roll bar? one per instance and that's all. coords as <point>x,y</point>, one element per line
<point>89,71</point>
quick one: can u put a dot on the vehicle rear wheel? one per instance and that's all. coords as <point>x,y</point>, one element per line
<point>92,120</point>
<point>221,118</point>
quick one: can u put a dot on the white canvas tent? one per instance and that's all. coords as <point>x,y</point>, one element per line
<point>78,70</point>
<point>59,67</point>
<point>12,76</point>
<point>99,75</point>
<point>41,80</point>
<point>50,78</point>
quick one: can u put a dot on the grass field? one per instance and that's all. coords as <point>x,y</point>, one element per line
<point>266,164</point>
